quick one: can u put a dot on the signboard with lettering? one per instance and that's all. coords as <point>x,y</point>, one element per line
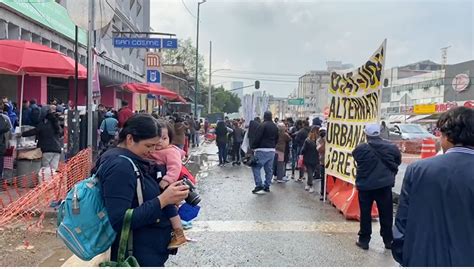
<point>296,102</point>
<point>355,99</point>
<point>151,43</point>
<point>424,109</point>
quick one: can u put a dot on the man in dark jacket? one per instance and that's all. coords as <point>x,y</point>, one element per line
<point>377,165</point>
<point>5,127</point>
<point>434,225</point>
<point>253,126</point>
<point>300,137</point>
<point>264,143</point>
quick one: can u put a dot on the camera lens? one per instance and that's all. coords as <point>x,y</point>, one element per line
<point>193,199</point>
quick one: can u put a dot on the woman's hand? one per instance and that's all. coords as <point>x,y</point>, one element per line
<point>175,193</point>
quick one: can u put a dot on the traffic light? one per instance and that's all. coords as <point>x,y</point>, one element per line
<point>257,84</point>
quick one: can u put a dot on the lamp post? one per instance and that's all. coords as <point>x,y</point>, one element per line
<point>210,85</point>
<point>196,87</point>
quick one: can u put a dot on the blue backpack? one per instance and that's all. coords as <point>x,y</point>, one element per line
<point>83,223</point>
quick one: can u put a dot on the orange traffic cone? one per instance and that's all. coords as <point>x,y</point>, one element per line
<point>428,148</point>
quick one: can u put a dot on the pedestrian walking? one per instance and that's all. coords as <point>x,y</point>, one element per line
<point>180,128</point>
<point>321,147</point>
<point>253,126</point>
<point>300,138</point>
<point>48,133</point>
<point>434,224</point>
<point>264,143</point>
<point>222,132</point>
<point>294,146</point>
<point>118,181</point>
<point>377,165</point>
<point>124,114</point>
<point>310,156</point>
<point>283,140</point>
<point>108,128</point>
<point>5,131</point>
<point>237,138</point>
<point>384,131</point>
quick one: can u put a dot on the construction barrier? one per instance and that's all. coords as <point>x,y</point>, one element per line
<point>344,196</point>
<point>25,197</point>
<point>428,148</point>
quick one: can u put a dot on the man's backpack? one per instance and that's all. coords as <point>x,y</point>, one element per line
<point>83,223</point>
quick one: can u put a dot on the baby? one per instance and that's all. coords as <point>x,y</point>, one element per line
<point>170,156</point>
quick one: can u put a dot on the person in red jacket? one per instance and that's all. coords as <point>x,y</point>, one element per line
<point>124,114</point>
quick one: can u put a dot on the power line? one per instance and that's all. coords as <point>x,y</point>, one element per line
<point>189,11</point>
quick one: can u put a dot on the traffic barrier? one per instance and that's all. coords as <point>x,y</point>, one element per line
<point>25,197</point>
<point>344,196</point>
<point>428,148</point>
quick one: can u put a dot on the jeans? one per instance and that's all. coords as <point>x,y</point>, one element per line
<point>236,151</point>
<point>311,168</point>
<point>383,198</point>
<point>222,152</point>
<point>264,159</point>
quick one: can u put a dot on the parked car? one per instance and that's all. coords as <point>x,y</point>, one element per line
<point>409,137</point>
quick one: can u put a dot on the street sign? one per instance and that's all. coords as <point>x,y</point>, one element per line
<point>152,60</point>
<point>153,43</point>
<point>153,76</point>
<point>296,102</point>
<point>170,43</point>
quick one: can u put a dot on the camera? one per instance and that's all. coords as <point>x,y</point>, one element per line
<point>193,198</point>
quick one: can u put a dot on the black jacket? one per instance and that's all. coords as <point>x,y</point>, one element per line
<point>373,172</point>
<point>253,126</point>
<point>118,181</point>
<point>4,128</point>
<point>266,135</point>
<point>301,136</point>
<point>238,135</point>
<point>48,140</point>
<point>310,153</point>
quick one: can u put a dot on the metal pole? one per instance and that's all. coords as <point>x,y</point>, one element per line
<point>76,67</point>
<point>196,82</point>
<point>210,77</point>
<point>90,70</point>
<point>21,98</point>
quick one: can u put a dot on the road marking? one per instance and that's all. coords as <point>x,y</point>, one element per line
<point>275,226</point>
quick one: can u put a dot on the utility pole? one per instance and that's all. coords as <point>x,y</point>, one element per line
<point>90,70</point>
<point>196,82</point>
<point>210,77</point>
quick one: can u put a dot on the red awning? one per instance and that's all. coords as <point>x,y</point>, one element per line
<point>145,88</point>
<point>18,57</point>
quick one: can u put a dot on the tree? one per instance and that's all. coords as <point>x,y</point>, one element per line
<point>186,54</point>
<point>222,100</point>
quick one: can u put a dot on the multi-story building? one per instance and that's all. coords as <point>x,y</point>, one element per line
<point>278,106</point>
<point>237,88</point>
<point>48,23</point>
<point>313,87</point>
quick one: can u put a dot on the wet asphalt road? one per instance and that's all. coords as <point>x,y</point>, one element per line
<point>287,227</point>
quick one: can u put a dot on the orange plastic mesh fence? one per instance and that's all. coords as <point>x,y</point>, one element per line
<point>22,198</point>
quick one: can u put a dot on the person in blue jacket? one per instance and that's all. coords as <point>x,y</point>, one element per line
<point>434,225</point>
<point>151,229</point>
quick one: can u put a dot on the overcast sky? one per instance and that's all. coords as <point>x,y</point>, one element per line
<point>292,37</point>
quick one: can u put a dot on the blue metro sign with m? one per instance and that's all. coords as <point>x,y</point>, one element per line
<point>153,76</point>
<point>150,43</point>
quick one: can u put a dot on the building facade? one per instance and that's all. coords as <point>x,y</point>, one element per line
<point>313,88</point>
<point>48,23</point>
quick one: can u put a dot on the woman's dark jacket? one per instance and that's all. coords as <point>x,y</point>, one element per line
<point>310,153</point>
<point>151,229</point>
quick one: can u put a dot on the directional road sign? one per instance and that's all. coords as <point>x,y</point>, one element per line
<point>137,42</point>
<point>153,76</point>
<point>296,102</point>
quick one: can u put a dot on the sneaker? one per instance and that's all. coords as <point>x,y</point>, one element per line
<point>178,239</point>
<point>281,181</point>
<point>238,163</point>
<point>388,245</point>
<point>285,179</point>
<point>311,190</point>
<point>266,189</point>
<point>292,176</point>
<point>258,190</point>
<point>364,246</point>
<point>307,187</point>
